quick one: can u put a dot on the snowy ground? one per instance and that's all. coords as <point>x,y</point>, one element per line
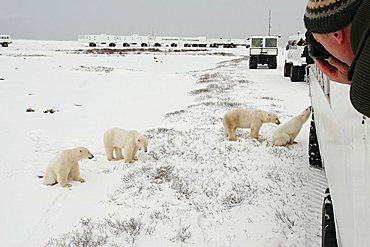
<point>192,188</point>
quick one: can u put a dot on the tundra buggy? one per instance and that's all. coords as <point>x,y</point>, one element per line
<point>5,40</point>
<point>295,62</point>
<point>263,50</point>
<point>343,147</point>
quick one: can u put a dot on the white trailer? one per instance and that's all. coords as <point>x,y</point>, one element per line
<point>98,40</point>
<point>136,40</point>
<point>343,136</point>
<point>195,41</point>
<point>226,43</point>
<point>167,41</point>
<point>238,42</point>
<point>5,40</point>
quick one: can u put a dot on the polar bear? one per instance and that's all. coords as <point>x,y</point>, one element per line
<point>247,118</point>
<point>64,167</point>
<point>286,133</point>
<point>130,140</point>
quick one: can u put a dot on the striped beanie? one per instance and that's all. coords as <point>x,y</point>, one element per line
<point>326,16</point>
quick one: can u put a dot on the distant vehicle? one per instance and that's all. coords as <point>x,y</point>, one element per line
<point>343,137</point>
<point>135,41</point>
<point>5,40</point>
<point>263,50</point>
<point>97,40</point>
<point>295,63</point>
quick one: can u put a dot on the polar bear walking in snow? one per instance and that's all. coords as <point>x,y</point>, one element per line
<point>247,118</point>
<point>130,140</point>
<point>64,167</point>
<point>286,133</point>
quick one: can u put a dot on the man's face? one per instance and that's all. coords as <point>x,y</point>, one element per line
<point>341,50</point>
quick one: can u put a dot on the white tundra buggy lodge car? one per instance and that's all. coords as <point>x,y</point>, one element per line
<point>295,62</point>
<point>5,40</point>
<point>343,138</point>
<point>263,50</point>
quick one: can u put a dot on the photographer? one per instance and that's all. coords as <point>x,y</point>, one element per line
<point>343,28</point>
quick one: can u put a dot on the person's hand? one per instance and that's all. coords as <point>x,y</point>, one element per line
<point>334,69</point>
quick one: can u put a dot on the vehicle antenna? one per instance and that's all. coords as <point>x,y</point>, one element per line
<point>269,32</point>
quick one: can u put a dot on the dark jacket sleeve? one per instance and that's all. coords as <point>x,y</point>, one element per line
<point>359,72</point>
<point>360,88</point>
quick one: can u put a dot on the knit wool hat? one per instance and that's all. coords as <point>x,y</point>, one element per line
<point>326,16</point>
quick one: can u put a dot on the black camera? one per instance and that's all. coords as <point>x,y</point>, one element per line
<point>315,49</point>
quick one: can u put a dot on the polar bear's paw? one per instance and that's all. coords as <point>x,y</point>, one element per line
<point>82,180</point>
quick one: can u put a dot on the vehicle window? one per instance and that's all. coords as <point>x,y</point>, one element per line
<point>257,42</point>
<point>271,42</point>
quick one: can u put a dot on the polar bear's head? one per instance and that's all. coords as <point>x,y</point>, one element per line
<point>84,153</point>
<point>305,114</point>
<point>142,142</point>
<point>272,118</point>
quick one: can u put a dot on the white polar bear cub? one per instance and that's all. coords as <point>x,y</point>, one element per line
<point>65,167</point>
<point>286,133</point>
<point>247,118</point>
<point>130,140</point>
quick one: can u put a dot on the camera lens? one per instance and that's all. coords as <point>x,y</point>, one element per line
<point>315,49</point>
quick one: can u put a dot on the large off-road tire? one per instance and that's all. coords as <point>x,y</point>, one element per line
<point>328,237</point>
<point>296,73</point>
<point>287,67</point>
<point>314,156</point>
<point>272,63</point>
<point>5,44</point>
<point>112,45</point>
<point>253,62</point>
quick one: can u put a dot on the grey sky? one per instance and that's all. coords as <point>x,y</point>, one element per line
<point>65,19</point>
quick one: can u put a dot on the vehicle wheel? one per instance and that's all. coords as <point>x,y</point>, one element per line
<point>287,69</point>
<point>314,156</point>
<point>112,44</point>
<point>92,44</point>
<point>272,63</point>
<point>253,62</point>
<point>5,44</point>
<point>296,73</point>
<point>329,238</point>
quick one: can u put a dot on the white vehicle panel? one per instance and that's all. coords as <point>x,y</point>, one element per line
<point>5,39</point>
<point>294,56</point>
<point>344,141</point>
<point>263,51</point>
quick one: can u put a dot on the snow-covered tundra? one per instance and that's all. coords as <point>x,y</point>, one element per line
<point>192,188</point>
